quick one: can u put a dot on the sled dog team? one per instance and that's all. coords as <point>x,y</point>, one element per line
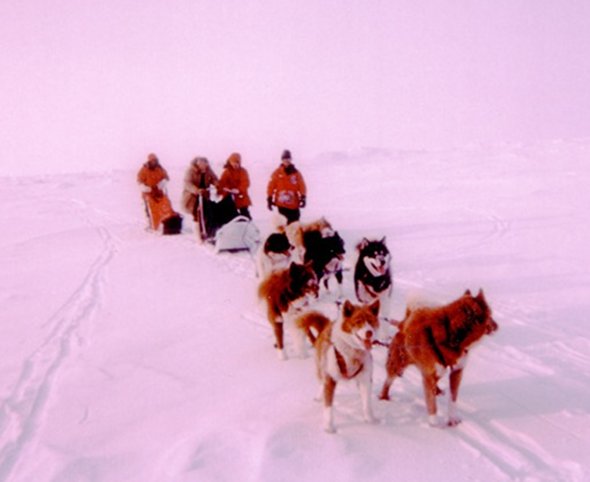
<point>297,260</point>
<point>434,339</point>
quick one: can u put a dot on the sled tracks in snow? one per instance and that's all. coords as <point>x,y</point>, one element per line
<point>516,455</point>
<point>22,411</point>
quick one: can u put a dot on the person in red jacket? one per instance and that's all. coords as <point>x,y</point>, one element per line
<point>152,179</point>
<point>234,183</point>
<point>286,189</point>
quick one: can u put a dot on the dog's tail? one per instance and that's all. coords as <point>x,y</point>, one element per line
<point>416,300</point>
<point>312,323</point>
<point>400,324</point>
<point>263,288</point>
<point>398,358</point>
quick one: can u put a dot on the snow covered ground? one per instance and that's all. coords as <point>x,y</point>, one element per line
<point>130,356</point>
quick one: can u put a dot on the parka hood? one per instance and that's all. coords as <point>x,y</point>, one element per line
<point>196,160</point>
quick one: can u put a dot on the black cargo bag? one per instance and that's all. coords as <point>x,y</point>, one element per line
<point>172,225</point>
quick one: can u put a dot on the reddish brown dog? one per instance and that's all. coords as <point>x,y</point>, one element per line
<point>343,352</point>
<point>435,339</point>
<point>285,292</point>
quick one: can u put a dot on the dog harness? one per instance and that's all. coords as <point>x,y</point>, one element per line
<point>374,286</point>
<point>453,337</point>
<point>435,348</point>
<point>342,365</point>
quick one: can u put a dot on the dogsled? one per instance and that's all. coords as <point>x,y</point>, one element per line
<point>152,179</point>
<point>221,224</point>
<point>159,211</point>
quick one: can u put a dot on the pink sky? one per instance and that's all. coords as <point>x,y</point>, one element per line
<point>86,84</point>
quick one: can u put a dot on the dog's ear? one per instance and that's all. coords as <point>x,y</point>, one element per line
<point>480,296</point>
<point>383,240</point>
<point>347,309</point>
<point>467,293</point>
<point>363,244</point>
<point>374,308</point>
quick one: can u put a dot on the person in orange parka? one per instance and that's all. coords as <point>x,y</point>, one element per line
<point>152,178</point>
<point>235,182</point>
<point>286,189</point>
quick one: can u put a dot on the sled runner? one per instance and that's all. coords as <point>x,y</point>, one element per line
<point>200,218</point>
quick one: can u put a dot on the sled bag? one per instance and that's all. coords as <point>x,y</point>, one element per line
<point>172,225</point>
<point>239,234</point>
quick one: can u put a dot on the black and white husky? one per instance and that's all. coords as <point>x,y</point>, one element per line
<point>372,274</point>
<point>325,252</point>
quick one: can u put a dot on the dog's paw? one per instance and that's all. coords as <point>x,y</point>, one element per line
<point>453,421</point>
<point>435,421</point>
<point>384,396</point>
<point>328,420</point>
<point>281,354</point>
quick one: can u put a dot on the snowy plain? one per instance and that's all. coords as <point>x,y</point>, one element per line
<point>132,356</point>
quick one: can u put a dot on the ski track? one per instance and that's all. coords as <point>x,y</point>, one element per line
<point>496,228</point>
<point>514,454</point>
<point>576,358</point>
<point>21,413</point>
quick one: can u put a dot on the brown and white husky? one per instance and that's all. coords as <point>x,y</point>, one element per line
<point>343,352</point>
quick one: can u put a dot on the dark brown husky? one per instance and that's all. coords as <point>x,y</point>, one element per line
<point>435,339</point>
